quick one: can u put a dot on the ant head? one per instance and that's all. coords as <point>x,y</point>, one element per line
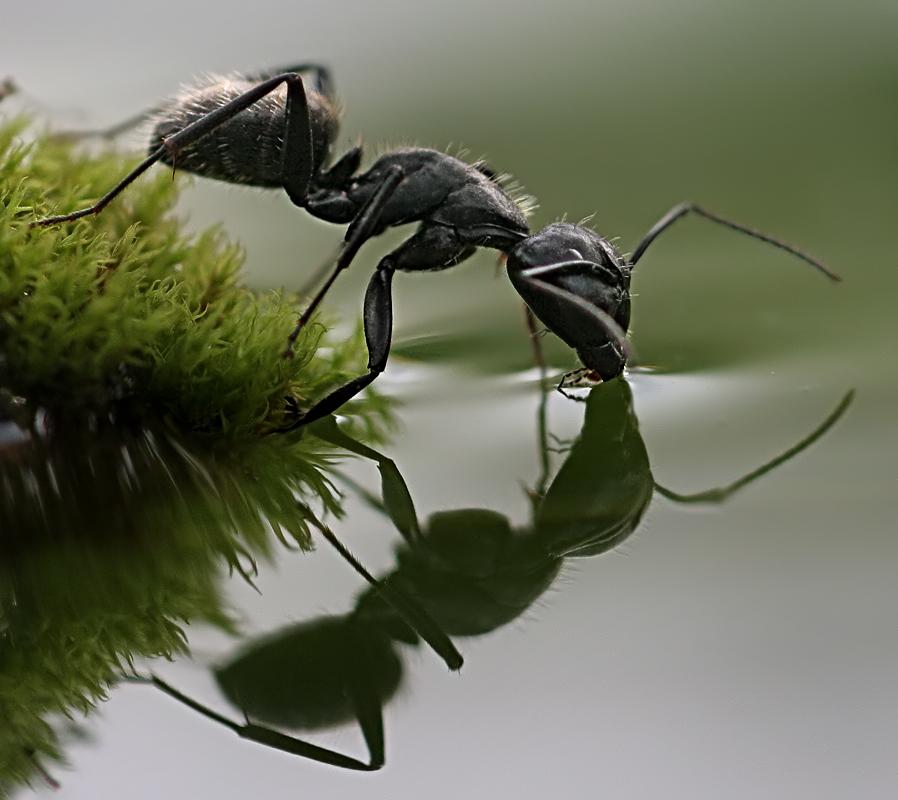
<point>579,287</point>
<point>565,241</point>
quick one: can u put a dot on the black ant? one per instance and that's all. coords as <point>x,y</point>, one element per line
<point>272,130</point>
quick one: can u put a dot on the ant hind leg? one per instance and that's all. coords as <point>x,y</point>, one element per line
<point>201,127</point>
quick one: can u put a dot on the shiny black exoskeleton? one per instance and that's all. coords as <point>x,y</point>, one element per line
<point>273,130</point>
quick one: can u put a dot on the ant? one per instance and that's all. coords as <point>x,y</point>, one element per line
<point>469,571</point>
<point>271,129</point>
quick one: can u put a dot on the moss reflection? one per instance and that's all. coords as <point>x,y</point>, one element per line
<point>113,538</point>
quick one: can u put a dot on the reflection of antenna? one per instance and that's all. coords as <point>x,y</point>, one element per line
<point>722,493</point>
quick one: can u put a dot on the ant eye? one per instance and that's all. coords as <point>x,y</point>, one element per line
<point>576,254</point>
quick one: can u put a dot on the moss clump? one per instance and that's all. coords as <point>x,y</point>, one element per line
<point>112,545</point>
<point>138,377</point>
<point>127,306</point>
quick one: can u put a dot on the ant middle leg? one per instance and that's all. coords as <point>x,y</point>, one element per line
<point>362,228</point>
<point>378,320</point>
<point>297,153</point>
<point>683,209</point>
<point>433,247</point>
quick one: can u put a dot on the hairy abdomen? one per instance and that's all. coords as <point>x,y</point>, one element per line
<point>246,149</point>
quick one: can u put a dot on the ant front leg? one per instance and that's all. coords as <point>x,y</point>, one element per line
<point>298,136</point>
<point>685,208</point>
<point>378,320</point>
<point>434,246</point>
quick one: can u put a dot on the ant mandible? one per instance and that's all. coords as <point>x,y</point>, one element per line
<point>272,130</point>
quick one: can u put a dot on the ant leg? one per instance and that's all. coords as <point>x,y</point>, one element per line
<point>296,159</point>
<point>338,175</point>
<point>572,380</point>
<point>378,319</point>
<point>323,82</point>
<point>360,230</point>
<point>186,136</point>
<point>372,728</point>
<point>720,494</point>
<point>684,208</point>
<point>434,246</point>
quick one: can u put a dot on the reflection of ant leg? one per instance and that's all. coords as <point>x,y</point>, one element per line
<point>397,500</point>
<point>398,505</point>
<point>408,609</point>
<point>720,494</point>
<point>368,712</point>
<point>542,429</point>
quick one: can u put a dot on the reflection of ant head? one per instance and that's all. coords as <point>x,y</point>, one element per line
<point>305,677</point>
<point>604,485</point>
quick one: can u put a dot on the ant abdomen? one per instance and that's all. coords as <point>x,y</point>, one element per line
<point>248,148</point>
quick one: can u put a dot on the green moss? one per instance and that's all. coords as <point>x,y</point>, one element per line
<point>125,304</point>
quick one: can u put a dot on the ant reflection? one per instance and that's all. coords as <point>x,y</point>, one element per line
<point>469,570</point>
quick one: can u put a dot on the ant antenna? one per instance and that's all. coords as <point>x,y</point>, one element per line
<point>684,208</point>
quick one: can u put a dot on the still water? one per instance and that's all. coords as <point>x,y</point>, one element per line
<point>617,640</point>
